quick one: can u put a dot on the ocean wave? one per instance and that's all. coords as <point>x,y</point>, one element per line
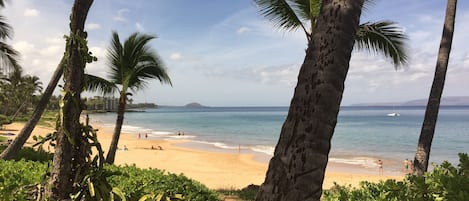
<point>182,136</point>
<point>269,150</point>
<point>161,133</point>
<point>220,145</point>
<point>362,161</point>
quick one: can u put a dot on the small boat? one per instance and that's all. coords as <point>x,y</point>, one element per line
<point>394,114</point>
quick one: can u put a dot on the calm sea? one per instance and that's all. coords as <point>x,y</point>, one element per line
<point>362,135</point>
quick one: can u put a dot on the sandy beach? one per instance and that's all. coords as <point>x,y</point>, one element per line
<point>215,170</point>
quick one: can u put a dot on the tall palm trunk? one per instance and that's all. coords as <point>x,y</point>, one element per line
<point>24,134</point>
<point>67,156</point>
<point>422,154</point>
<point>296,171</point>
<point>111,155</point>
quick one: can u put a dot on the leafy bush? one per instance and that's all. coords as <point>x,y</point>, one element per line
<point>445,182</point>
<point>4,120</point>
<point>136,183</point>
<point>30,154</point>
<point>14,175</point>
<point>3,139</point>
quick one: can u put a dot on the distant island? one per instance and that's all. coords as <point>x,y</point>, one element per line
<point>445,101</point>
<point>194,105</point>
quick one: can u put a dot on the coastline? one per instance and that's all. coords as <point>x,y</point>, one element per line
<point>215,169</point>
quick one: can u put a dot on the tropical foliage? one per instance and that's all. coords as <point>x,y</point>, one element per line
<point>8,56</point>
<point>18,93</point>
<point>132,63</point>
<point>445,182</point>
<point>383,37</point>
<point>135,183</point>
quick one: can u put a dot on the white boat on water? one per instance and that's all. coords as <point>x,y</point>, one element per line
<point>394,114</point>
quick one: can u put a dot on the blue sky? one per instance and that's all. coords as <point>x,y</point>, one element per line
<point>223,53</point>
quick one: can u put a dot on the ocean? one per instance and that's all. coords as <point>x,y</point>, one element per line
<point>362,135</point>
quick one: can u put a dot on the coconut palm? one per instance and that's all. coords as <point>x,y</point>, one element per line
<point>8,56</point>
<point>29,86</point>
<point>25,133</point>
<point>69,152</point>
<point>296,171</point>
<point>422,154</point>
<point>383,37</point>
<point>132,64</point>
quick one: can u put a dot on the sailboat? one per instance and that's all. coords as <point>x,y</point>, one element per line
<point>393,114</point>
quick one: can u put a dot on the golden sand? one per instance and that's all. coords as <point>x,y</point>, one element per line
<point>215,170</point>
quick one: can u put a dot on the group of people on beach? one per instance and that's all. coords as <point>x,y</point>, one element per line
<point>408,166</point>
<point>140,136</point>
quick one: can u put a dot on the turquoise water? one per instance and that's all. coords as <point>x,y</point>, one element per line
<point>362,135</point>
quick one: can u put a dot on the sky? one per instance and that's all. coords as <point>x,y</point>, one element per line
<point>224,53</point>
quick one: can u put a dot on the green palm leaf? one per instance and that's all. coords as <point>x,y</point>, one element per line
<point>383,37</point>
<point>281,14</point>
<point>98,84</point>
<point>9,57</point>
<point>6,30</point>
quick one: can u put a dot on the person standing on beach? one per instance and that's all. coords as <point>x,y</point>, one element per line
<point>406,165</point>
<point>380,167</point>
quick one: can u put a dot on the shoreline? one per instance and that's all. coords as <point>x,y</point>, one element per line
<point>216,170</point>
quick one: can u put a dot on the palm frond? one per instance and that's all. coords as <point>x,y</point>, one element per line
<point>307,9</point>
<point>98,84</point>
<point>383,37</point>
<point>9,57</point>
<point>115,58</point>
<point>133,63</point>
<point>281,14</point>
<point>6,31</point>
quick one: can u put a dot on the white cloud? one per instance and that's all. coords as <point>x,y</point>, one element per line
<point>139,27</point>
<point>175,56</point>
<point>23,46</point>
<point>120,15</point>
<point>52,50</point>
<point>31,12</point>
<point>92,26</point>
<point>243,30</point>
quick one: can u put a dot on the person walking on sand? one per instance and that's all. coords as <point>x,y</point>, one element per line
<point>146,135</point>
<point>380,167</point>
<point>406,165</point>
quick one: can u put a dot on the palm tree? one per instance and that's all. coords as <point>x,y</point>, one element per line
<point>28,128</point>
<point>422,154</point>
<point>69,156</point>
<point>383,37</point>
<point>28,88</point>
<point>132,64</point>
<point>8,56</point>
<point>296,171</point>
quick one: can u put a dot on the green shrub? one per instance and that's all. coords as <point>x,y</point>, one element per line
<point>4,120</point>
<point>136,183</point>
<point>3,139</point>
<point>445,182</point>
<point>30,154</point>
<point>132,181</point>
<point>14,175</point>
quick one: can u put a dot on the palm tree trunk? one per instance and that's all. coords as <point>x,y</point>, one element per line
<point>296,171</point>
<point>24,134</point>
<point>111,155</point>
<point>68,156</point>
<point>422,155</point>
